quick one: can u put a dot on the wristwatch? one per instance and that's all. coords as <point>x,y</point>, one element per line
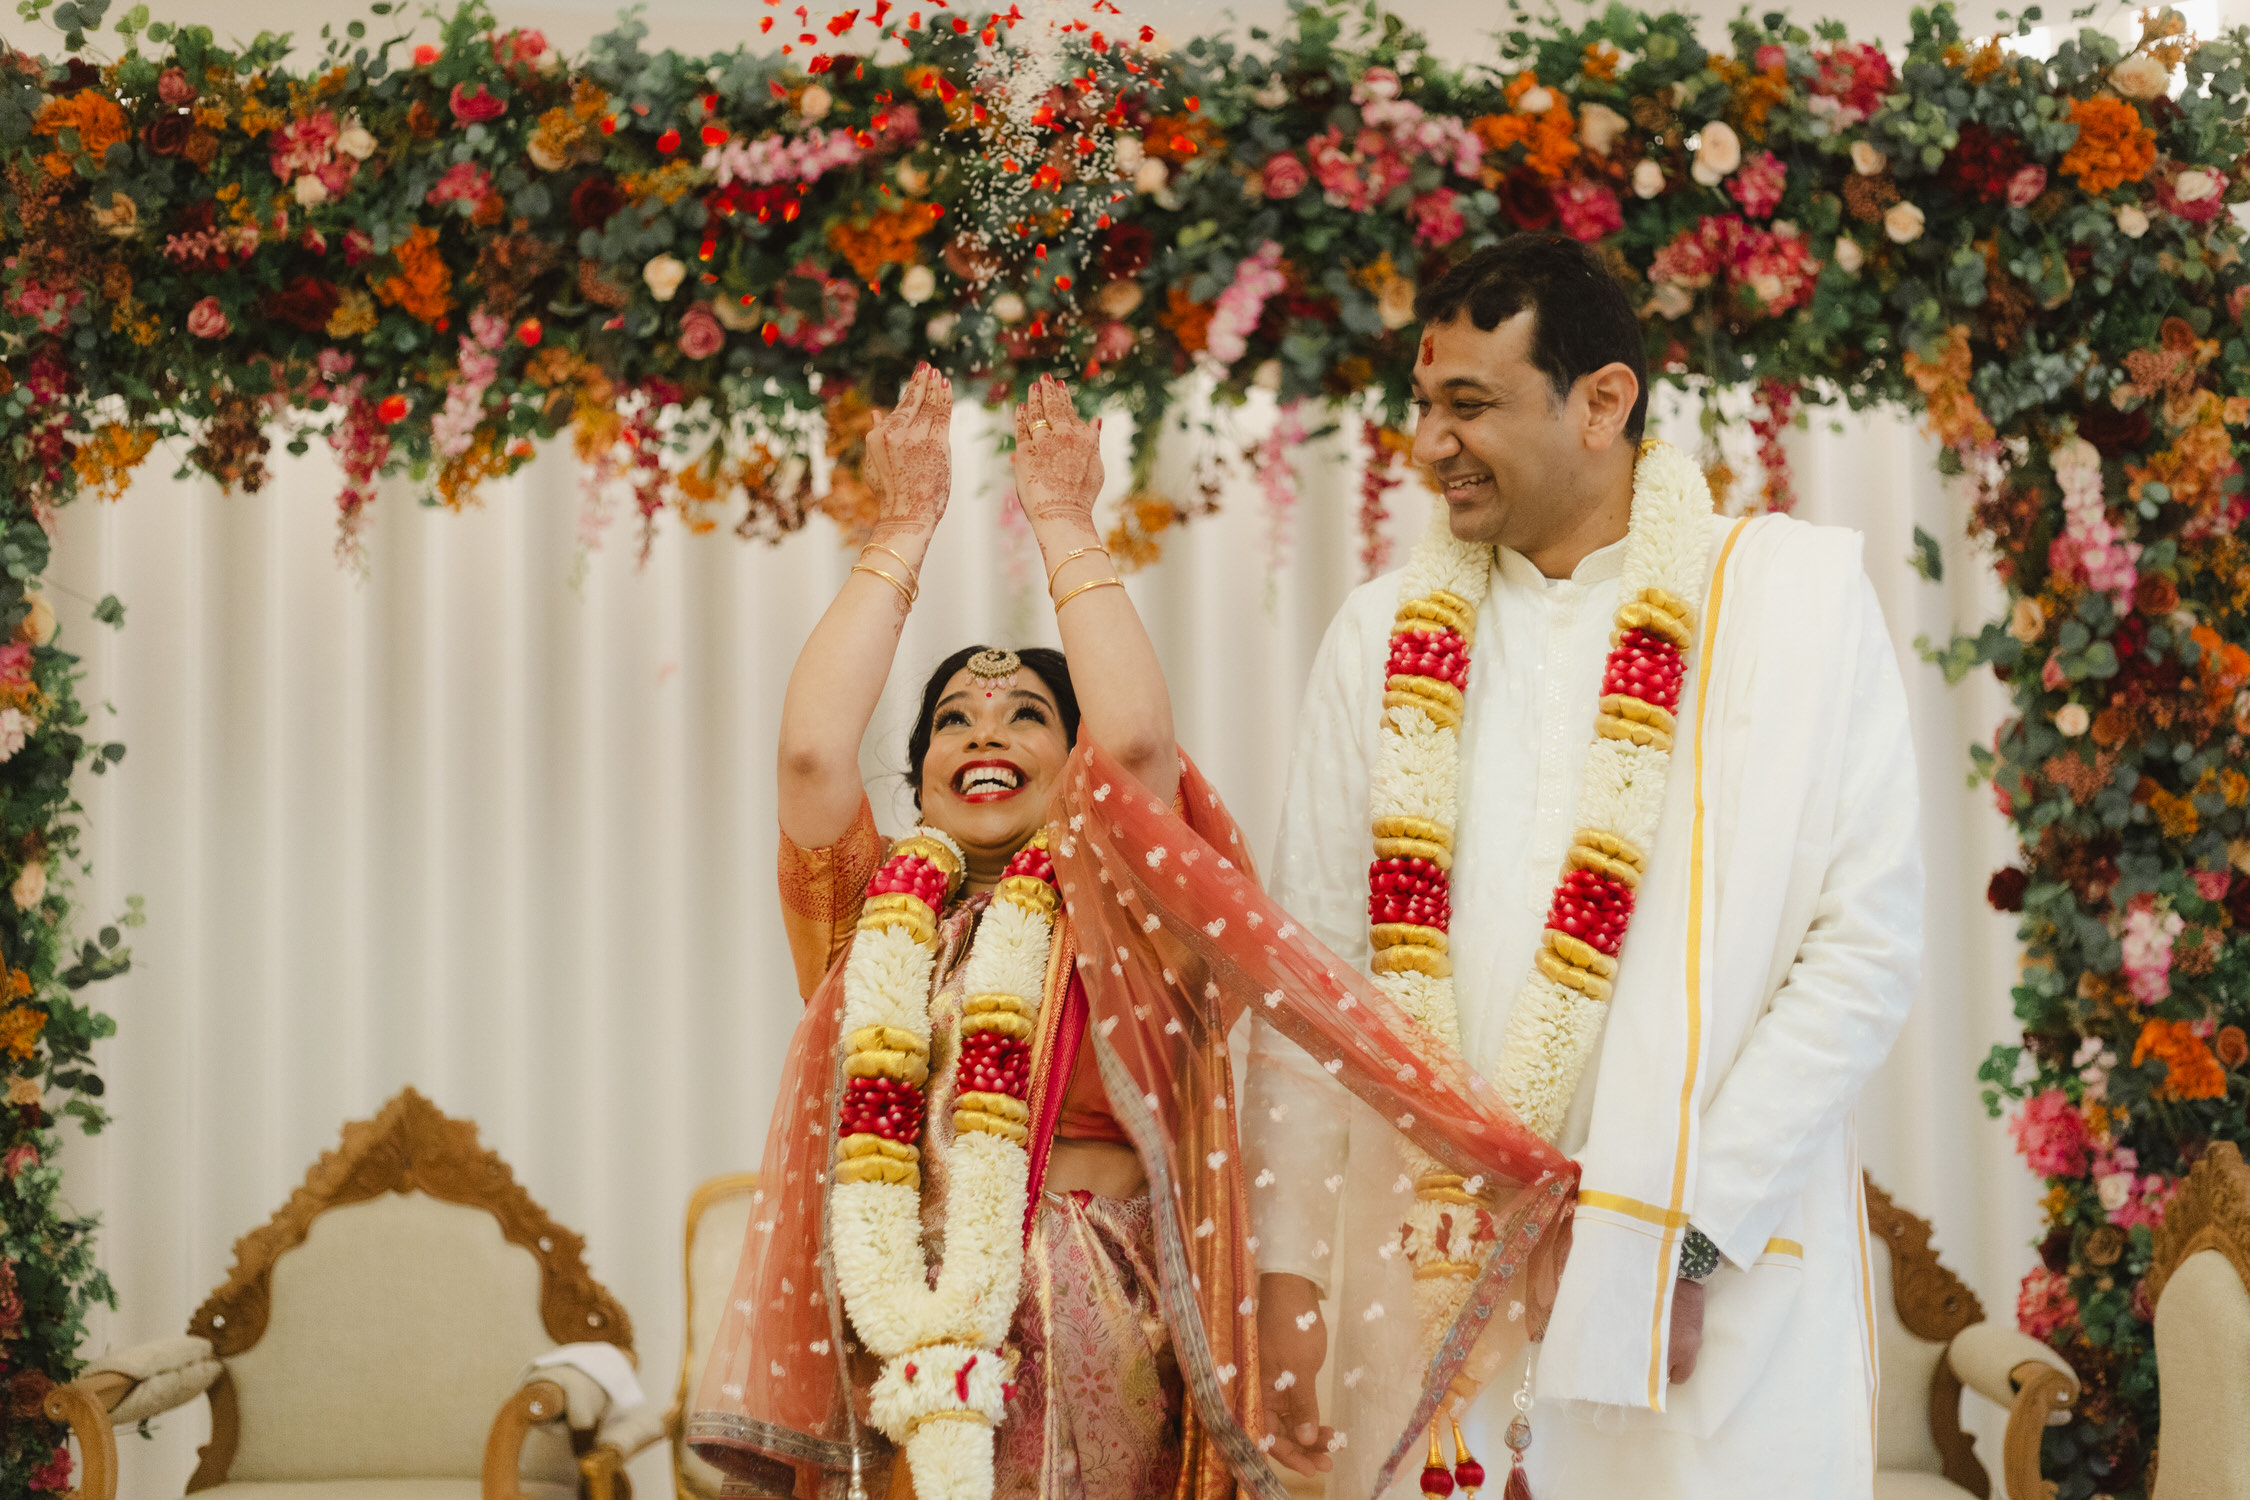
<point>1699,1258</point>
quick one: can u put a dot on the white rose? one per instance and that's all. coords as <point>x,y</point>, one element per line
<point>1536,101</point>
<point>1866,160</point>
<point>2071,720</point>
<point>918,285</point>
<point>1268,376</point>
<point>1718,148</point>
<point>664,275</point>
<point>912,178</point>
<point>31,886</point>
<point>1128,153</point>
<point>1008,308</point>
<point>734,317</point>
<point>1599,126</point>
<point>2140,77</point>
<point>815,102</point>
<point>38,624</point>
<point>1151,176</point>
<point>2131,222</point>
<point>356,140</point>
<point>1648,178</point>
<point>2195,185</point>
<point>543,157</point>
<point>311,191</point>
<point>1673,300</point>
<point>1903,223</point>
<point>1119,299</point>
<point>1705,173</point>
<point>1272,94</point>
<point>943,327</point>
<point>2114,1188</point>
<point>1849,257</point>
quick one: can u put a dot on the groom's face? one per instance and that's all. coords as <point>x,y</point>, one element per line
<point>1494,433</point>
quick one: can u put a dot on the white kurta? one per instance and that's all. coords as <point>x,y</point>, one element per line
<point>1783,1398</point>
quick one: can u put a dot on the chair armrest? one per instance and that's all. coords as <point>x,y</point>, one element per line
<point>2036,1384</point>
<point>603,1467</point>
<point>535,1403</point>
<point>84,1406</point>
<point>156,1376</point>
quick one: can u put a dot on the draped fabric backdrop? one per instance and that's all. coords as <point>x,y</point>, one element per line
<point>468,824</point>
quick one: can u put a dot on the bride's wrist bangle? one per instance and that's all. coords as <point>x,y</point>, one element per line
<point>913,574</point>
<point>1099,583</point>
<point>903,591</point>
<point>1069,558</point>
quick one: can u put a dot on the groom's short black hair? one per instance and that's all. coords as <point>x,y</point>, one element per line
<point>1581,318</point>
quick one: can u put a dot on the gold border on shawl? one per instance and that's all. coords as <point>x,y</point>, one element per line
<point>1669,1238</point>
<point>1633,1208</point>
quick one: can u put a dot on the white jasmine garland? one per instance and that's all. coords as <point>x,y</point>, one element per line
<point>1554,1026</point>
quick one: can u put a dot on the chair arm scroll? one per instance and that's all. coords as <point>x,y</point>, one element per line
<point>2035,1383</point>
<point>535,1403</point>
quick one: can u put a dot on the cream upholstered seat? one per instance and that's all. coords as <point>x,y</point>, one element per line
<point>2199,1281</point>
<point>377,1337</point>
<point>1932,1340</point>
<point>718,1218</point>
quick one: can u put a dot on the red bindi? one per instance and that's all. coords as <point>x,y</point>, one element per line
<point>1429,348</point>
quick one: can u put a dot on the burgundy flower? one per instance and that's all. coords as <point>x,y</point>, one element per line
<point>1527,201</point>
<point>2114,433</point>
<point>2005,891</point>
<point>306,302</point>
<point>1982,164</point>
<point>594,201</point>
<point>27,1392</point>
<point>167,135</point>
<point>1127,251</point>
<point>2156,595</point>
<point>79,74</point>
<point>474,108</point>
<point>2231,1046</point>
<point>357,247</point>
<point>2054,1250</point>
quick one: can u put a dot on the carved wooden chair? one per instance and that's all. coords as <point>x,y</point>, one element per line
<point>718,1219</point>
<point>410,1324</point>
<point>2199,1284</point>
<point>1932,1341</point>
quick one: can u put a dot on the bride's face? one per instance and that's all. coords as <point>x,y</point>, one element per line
<point>992,764</point>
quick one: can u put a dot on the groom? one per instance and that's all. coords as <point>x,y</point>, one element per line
<point>1710,1336</point>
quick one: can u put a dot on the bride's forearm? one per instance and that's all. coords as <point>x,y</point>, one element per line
<point>834,687</point>
<point>1123,701</point>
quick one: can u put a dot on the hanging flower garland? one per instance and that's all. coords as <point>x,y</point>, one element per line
<point>945,1382</point>
<point>1556,1021</point>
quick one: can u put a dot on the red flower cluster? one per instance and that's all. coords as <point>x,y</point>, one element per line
<point>1409,890</point>
<point>881,1106</point>
<point>1593,908</point>
<point>1430,653</point>
<point>1032,860</point>
<point>995,1063</point>
<point>1646,667</point>
<point>1982,165</point>
<point>910,875</point>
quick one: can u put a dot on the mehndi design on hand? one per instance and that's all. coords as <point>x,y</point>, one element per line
<point>1058,457</point>
<point>910,457</point>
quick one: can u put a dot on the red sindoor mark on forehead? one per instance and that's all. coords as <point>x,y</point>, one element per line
<point>1429,348</point>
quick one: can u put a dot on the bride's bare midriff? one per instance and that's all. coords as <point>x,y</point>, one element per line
<point>1107,1169</point>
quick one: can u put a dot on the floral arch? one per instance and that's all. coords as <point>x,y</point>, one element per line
<point>434,257</point>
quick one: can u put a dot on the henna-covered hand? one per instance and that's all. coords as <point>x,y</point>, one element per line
<point>910,458</point>
<point>1058,459</point>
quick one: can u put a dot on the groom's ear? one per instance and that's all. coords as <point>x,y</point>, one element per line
<point>1610,393</point>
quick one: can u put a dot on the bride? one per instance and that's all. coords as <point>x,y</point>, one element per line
<point>1001,1225</point>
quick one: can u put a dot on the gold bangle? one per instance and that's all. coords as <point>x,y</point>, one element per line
<point>1068,559</point>
<point>903,591</point>
<point>1099,583</point>
<point>912,574</point>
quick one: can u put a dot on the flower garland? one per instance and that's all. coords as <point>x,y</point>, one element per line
<point>945,1382</point>
<point>1557,1019</point>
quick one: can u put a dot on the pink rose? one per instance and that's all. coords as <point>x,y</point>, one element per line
<point>2237,300</point>
<point>1112,341</point>
<point>700,333</point>
<point>2051,1134</point>
<point>173,88</point>
<point>1285,176</point>
<point>1770,56</point>
<point>18,1158</point>
<point>357,247</point>
<point>2212,885</point>
<point>207,320</point>
<point>519,49</point>
<point>475,108</point>
<point>2025,187</point>
<point>1587,209</point>
<point>1437,218</point>
<point>15,664</point>
<point>463,182</point>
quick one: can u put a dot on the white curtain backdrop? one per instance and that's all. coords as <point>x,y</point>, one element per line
<point>497,821</point>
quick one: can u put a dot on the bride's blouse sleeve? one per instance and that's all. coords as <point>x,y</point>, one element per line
<point>821,894</point>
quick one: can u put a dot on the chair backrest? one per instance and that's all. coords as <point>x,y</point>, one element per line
<point>2199,1280</point>
<point>1919,1306</point>
<point>375,1326</point>
<point>718,1219</point>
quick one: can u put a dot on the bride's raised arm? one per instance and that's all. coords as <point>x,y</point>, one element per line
<point>1121,693</point>
<point>839,675</point>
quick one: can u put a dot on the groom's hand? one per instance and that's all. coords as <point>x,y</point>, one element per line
<point>1687,1329</point>
<point>1292,1346</point>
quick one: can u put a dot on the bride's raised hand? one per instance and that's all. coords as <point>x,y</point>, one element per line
<point>910,459</point>
<point>1058,461</point>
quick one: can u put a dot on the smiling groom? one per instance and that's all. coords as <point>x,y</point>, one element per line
<point>1616,795</point>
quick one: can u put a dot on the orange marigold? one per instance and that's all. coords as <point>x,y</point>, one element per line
<point>2191,1072</point>
<point>423,286</point>
<point>106,461</point>
<point>1756,92</point>
<point>20,1028</point>
<point>1549,138</point>
<point>2113,145</point>
<point>99,122</point>
<point>1944,383</point>
<point>1189,320</point>
<point>886,240</point>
